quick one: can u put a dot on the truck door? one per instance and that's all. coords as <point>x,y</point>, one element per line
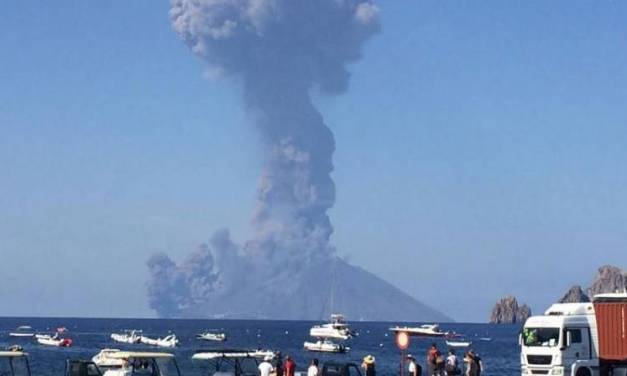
<point>579,346</point>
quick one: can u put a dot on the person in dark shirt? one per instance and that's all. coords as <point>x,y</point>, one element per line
<point>369,366</point>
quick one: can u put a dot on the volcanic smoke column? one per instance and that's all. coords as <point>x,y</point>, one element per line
<point>281,50</point>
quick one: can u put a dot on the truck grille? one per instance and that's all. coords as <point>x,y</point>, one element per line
<point>539,359</point>
<point>540,371</point>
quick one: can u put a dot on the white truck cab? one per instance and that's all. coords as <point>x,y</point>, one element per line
<point>565,341</point>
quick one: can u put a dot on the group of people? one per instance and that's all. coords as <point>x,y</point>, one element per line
<point>438,365</point>
<point>288,367</point>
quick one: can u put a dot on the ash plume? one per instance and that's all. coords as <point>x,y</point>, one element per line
<point>279,51</point>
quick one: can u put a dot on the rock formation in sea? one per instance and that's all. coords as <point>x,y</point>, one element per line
<point>609,279</point>
<point>575,295</point>
<point>507,311</point>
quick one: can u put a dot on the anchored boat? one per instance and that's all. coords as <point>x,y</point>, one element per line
<point>211,336</point>
<point>326,346</point>
<point>56,340</point>
<point>129,336</point>
<point>232,362</point>
<point>168,341</point>
<point>426,330</point>
<point>23,331</point>
<point>337,328</point>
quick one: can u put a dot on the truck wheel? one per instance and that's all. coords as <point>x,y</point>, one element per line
<point>584,371</point>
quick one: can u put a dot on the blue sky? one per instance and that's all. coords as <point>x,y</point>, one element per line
<point>480,151</point>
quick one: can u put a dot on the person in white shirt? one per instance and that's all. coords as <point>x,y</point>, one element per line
<point>452,365</point>
<point>313,368</point>
<point>265,368</point>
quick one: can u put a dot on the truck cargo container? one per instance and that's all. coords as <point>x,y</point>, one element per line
<point>577,339</point>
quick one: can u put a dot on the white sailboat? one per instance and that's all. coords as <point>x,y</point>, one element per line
<point>337,328</point>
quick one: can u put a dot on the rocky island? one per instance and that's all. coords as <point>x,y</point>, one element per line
<point>507,311</point>
<point>608,279</point>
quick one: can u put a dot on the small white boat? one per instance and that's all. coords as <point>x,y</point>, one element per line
<point>326,346</point>
<point>458,344</point>
<point>129,336</point>
<point>168,341</point>
<point>55,340</point>
<point>210,336</point>
<point>23,331</point>
<point>104,359</point>
<point>427,330</point>
<point>337,328</point>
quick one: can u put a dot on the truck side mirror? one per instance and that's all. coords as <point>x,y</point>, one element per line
<point>569,338</point>
<point>520,339</point>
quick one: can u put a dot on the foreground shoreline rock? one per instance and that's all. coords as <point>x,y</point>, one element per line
<point>507,311</point>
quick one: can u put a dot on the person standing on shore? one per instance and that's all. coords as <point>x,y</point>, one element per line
<point>433,357</point>
<point>413,367</point>
<point>471,365</point>
<point>265,367</point>
<point>369,366</point>
<point>313,368</point>
<point>289,367</point>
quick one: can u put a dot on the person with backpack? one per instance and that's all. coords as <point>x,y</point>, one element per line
<point>413,367</point>
<point>452,365</point>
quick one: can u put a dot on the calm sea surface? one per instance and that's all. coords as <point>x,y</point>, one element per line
<point>501,355</point>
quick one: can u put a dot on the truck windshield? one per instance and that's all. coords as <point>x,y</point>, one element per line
<point>545,337</point>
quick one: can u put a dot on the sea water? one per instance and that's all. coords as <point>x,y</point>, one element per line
<point>500,355</point>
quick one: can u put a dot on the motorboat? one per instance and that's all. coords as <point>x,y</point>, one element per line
<point>168,341</point>
<point>56,340</point>
<point>326,346</point>
<point>232,362</point>
<point>426,330</point>
<point>211,336</point>
<point>129,336</point>
<point>14,363</point>
<point>104,360</point>
<point>143,363</point>
<point>458,343</point>
<point>337,328</point>
<point>24,331</point>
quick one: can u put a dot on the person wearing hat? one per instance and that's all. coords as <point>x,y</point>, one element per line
<point>265,367</point>
<point>413,367</point>
<point>289,366</point>
<point>368,365</point>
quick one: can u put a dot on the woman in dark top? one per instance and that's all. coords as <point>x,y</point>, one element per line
<point>368,366</point>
